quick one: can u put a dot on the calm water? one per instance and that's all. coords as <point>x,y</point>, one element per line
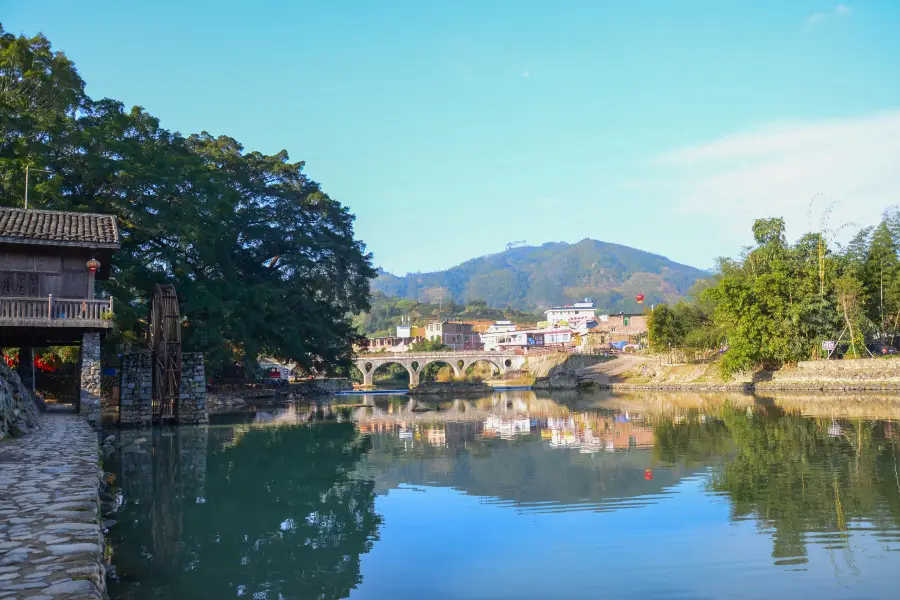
<point>517,496</point>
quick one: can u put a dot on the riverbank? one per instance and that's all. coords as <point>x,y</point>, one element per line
<point>51,537</point>
<point>645,373</point>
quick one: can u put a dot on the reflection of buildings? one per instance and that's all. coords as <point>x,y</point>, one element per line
<point>506,416</point>
<point>506,428</point>
<point>435,436</point>
<point>593,433</point>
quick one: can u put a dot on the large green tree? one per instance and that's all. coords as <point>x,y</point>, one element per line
<point>263,259</point>
<point>771,303</point>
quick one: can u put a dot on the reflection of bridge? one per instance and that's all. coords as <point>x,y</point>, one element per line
<point>415,362</point>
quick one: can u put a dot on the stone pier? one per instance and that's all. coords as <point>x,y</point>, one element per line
<point>192,408</point>
<point>51,541</point>
<point>89,395</point>
<point>136,391</point>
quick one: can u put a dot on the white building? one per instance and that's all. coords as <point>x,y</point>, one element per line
<point>573,316</point>
<point>497,334</point>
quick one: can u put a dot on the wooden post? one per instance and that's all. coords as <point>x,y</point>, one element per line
<point>50,306</point>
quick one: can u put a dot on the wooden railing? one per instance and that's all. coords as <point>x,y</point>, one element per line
<point>55,309</point>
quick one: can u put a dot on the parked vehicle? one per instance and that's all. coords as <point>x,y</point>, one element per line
<point>878,348</point>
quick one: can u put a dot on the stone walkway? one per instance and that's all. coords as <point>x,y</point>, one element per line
<point>51,543</point>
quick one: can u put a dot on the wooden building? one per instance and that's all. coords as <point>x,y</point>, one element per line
<point>49,262</point>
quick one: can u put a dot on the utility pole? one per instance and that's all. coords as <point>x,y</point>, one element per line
<point>27,167</point>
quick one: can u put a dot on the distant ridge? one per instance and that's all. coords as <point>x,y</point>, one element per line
<point>534,277</point>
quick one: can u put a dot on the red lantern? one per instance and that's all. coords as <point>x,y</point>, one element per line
<point>648,475</point>
<point>93,265</point>
<point>640,298</point>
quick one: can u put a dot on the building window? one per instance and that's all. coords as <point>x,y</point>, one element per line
<point>626,320</point>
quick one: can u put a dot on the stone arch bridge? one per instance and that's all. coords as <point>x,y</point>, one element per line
<point>415,362</point>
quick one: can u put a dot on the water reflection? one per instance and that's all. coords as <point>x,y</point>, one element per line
<point>283,502</point>
<point>278,515</point>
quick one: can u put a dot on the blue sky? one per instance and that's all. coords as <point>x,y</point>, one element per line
<point>452,128</point>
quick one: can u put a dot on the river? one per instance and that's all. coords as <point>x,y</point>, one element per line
<point>516,496</point>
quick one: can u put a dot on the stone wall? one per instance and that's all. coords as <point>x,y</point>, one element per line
<point>322,387</point>
<point>849,374</point>
<point>192,409</point>
<point>136,392</point>
<point>90,375</point>
<point>18,412</point>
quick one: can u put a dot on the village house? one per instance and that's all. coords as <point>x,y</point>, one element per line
<point>497,334</point>
<point>573,316</point>
<point>49,263</point>
<point>389,343</point>
<point>623,327</point>
<point>458,336</point>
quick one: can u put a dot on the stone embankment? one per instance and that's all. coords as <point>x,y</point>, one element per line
<point>18,414</point>
<point>866,374</point>
<point>879,374</point>
<point>563,371</point>
<point>51,538</point>
<point>681,387</point>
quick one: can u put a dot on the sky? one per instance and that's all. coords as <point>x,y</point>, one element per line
<point>452,128</point>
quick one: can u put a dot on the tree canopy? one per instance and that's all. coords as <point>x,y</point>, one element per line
<point>263,259</point>
<point>779,302</point>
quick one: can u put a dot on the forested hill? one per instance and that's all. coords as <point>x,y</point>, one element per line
<point>539,276</point>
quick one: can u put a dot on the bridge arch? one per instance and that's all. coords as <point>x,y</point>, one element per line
<point>415,363</point>
<point>424,371</point>
<point>496,365</point>
<point>369,365</point>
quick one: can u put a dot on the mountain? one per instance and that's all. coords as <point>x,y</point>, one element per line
<point>534,277</point>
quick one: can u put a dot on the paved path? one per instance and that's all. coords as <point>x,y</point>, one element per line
<point>51,543</point>
<point>606,372</point>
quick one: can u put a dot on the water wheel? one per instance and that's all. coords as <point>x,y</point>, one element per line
<point>164,329</point>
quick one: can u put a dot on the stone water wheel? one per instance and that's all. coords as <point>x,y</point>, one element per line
<point>164,336</point>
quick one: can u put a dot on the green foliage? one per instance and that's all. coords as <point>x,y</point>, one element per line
<point>429,346</point>
<point>536,277</point>
<point>779,301</point>
<point>263,259</point>
<point>664,328</point>
<point>685,325</point>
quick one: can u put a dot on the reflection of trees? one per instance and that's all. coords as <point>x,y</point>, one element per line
<point>281,518</point>
<point>794,474</point>
<point>691,442</point>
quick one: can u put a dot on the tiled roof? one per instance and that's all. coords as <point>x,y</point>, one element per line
<point>52,227</point>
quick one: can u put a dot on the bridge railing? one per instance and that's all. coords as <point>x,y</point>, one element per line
<point>461,354</point>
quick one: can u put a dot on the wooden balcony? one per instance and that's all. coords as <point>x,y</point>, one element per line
<point>55,312</point>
